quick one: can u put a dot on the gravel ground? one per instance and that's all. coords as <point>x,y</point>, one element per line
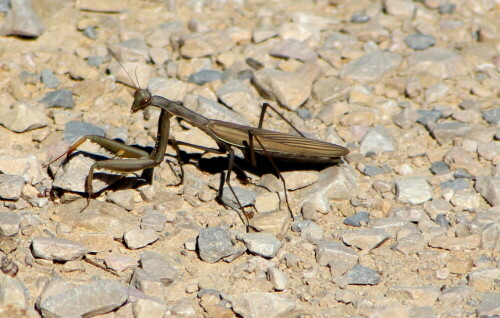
<point>406,225</point>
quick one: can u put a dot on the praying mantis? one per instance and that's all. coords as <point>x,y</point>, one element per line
<point>250,140</point>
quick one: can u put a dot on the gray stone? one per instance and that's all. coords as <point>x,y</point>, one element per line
<point>437,61</point>
<point>358,219</point>
<point>375,171</point>
<point>419,41</point>
<point>428,116</point>
<point>147,284</point>
<point>406,118</point>
<point>205,76</point>
<point>101,217</point>
<point>120,263</point>
<point>170,88</point>
<point>10,223</point>
<point>14,295</point>
<point>131,50</point>
<point>264,32</point>
<point>445,132</point>
<point>144,72</point>
<point>360,275</point>
<point>470,242</point>
<point>455,184</point>
<point>213,244</point>
<point>327,251</point>
<point>155,265</point>
<point>442,221</point>
<point>138,238</point>
<point>334,183</point>
<point>293,49</point>
<point>290,89</point>
<point>49,79</point>
<point>153,220</point>
<point>57,249</point>
<point>124,198</point>
<point>489,188</point>
<point>22,20</point>
<point>263,305</point>
<point>439,167</point>
<point>237,95</point>
<point>92,299</point>
<point>372,66</point>
<point>330,89</point>
<point>28,167</point>
<point>392,225</point>
<point>11,186</point>
<point>145,308</point>
<point>377,140</point>
<point>72,176</point>
<point>360,17</point>
<point>419,295</point>
<point>312,232</point>
<point>90,32</point>
<point>492,115</point>
<point>76,129</point>
<point>201,44</point>
<point>447,8</point>
<point>365,240</point>
<point>277,278</point>
<point>413,190</point>
<point>24,117</point>
<point>489,305</point>
<point>263,244</point>
<point>411,244</point>
<point>305,114</point>
<point>245,197</point>
<point>59,98</point>
<point>455,295</point>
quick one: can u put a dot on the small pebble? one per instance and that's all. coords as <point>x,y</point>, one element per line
<point>360,275</point>
<point>358,219</point>
<point>139,238</point>
<point>263,244</point>
<point>419,41</point>
<point>213,244</point>
<point>59,98</point>
<point>205,76</point>
<point>57,249</point>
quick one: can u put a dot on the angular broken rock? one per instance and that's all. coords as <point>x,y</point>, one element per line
<point>88,300</point>
<point>57,249</point>
<point>263,305</point>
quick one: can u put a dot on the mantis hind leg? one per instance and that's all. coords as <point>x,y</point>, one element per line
<point>251,137</point>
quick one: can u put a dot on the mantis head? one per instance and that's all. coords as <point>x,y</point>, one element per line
<point>142,99</point>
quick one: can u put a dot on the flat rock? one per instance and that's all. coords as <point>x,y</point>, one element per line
<point>327,251</point>
<point>94,242</point>
<point>145,308</point>
<point>92,299</point>
<point>456,243</point>
<point>413,190</point>
<point>489,187</point>
<point>211,109</point>
<point>22,20</point>
<point>263,244</point>
<point>158,267</point>
<point>263,305</point>
<point>372,66</point>
<point>276,222</point>
<point>59,98</point>
<point>57,249</point>
<point>360,275</point>
<point>420,295</point>
<point>10,223</point>
<point>365,240</point>
<point>11,186</point>
<point>120,263</point>
<point>201,44</point>
<point>28,167</point>
<point>213,244</point>
<point>438,62</point>
<point>377,140</point>
<point>293,49</point>
<point>239,97</point>
<point>14,293</point>
<point>24,117</point>
<point>100,217</point>
<point>245,197</point>
<point>484,280</point>
<point>138,238</point>
<point>290,89</point>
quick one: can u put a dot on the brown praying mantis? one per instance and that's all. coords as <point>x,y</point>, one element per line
<point>251,140</point>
